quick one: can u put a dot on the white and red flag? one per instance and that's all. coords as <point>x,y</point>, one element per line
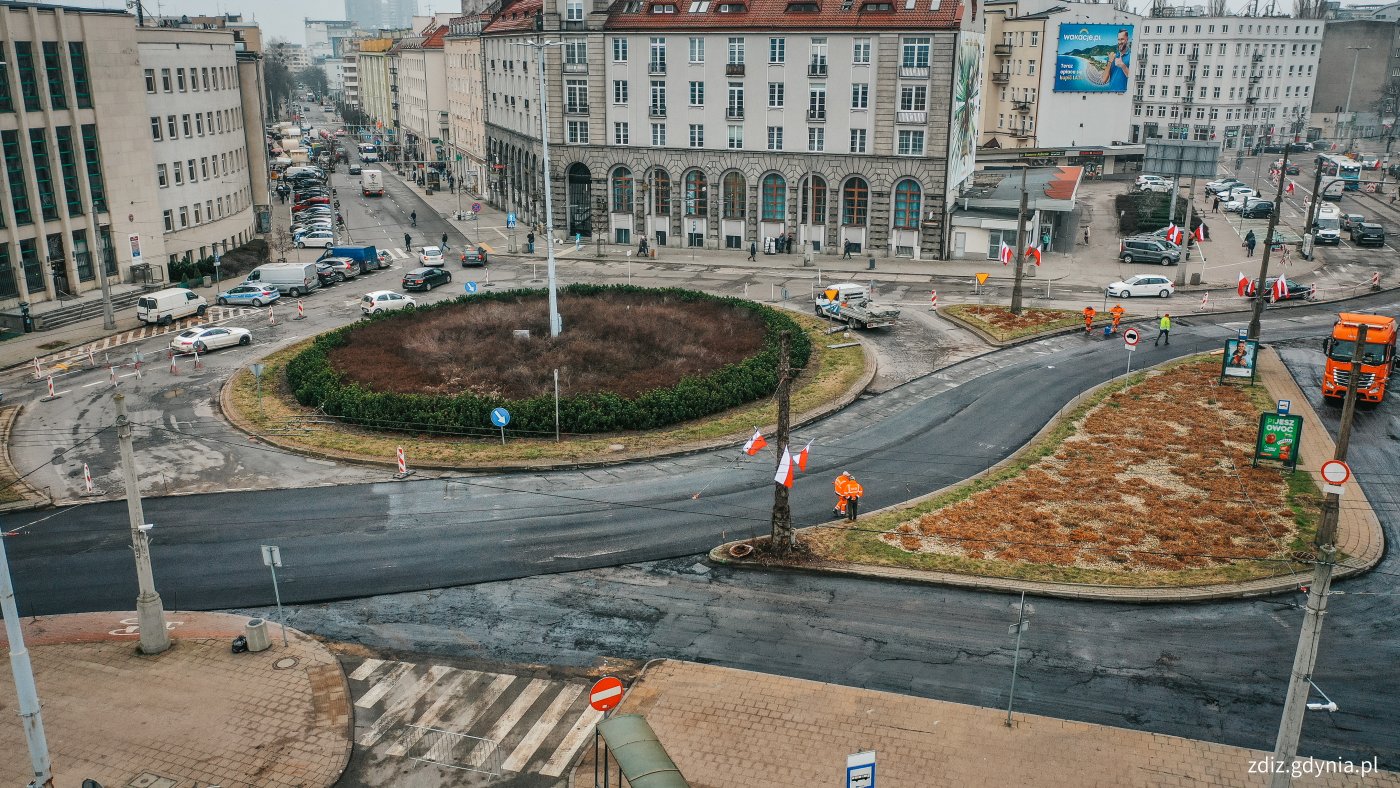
<point>801,457</point>
<point>784,474</point>
<point>1279,290</point>
<point>1291,186</point>
<point>1034,253</point>
<point>1243,286</point>
<point>755,444</point>
<point>1005,254</point>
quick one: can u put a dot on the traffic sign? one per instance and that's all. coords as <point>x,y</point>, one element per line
<point>470,287</point>
<point>476,207</point>
<point>606,694</point>
<point>1336,472</point>
<point>510,221</point>
<point>982,278</point>
<point>500,417</point>
<point>860,770</point>
<point>1131,338</point>
<point>1283,406</point>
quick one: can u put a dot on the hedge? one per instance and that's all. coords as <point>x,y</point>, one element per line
<point>315,382</point>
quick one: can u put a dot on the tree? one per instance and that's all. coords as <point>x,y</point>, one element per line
<point>279,83</point>
<point>313,78</point>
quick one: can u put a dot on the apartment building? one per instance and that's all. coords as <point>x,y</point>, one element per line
<point>466,104</point>
<point>350,74</point>
<point>422,89</point>
<point>720,124</point>
<point>372,64</point>
<point>1358,83</point>
<point>1242,80</point>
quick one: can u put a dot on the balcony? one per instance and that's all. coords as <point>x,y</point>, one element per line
<point>1021,106</point>
<point>658,110</point>
<point>816,115</point>
<point>576,68</point>
<point>656,67</point>
<point>816,68</point>
<point>574,24</point>
<point>1193,58</point>
<point>575,109</point>
<point>734,113</point>
<point>1258,58</point>
<point>1001,50</point>
<point>914,72</point>
<point>912,117</point>
<point>734,69</point>
<point>1252,100</point>
<point>1001,77</point>
<point>1020,134</point>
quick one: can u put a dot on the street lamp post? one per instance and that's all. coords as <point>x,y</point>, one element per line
<point>1351,119</point>
<point>109,320</point>
<point>554,323</point>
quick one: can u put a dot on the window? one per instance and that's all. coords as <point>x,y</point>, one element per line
<point>734,194</point>
<point>697,93</point>
<point>196,205</point>
<point>578,132</point>
<point>913,98</point>
<point>1035,38</point>
<point>204,77</point>
<point>697,201</point>
<point>576,52</point>
<point>180,80</point>
<point>189,170</point>
<point>855,202</point>
<point>576,96</point>
<point>697,50</point>
<point>619,91</point>
<point>622,190</point>
<point>155,128</point>
<point>7,104</point>
<point>777,50</point>
<point>619,50</point>
<point>43,174</point>
<point>915,53</point>
<point>813,195</point>
<point>736,100</point>
<point>199,124</point>
<point>817,65</point>
<point>697,135</point>
<point>28,78</point>
<point>621,134</point>
<point>816,139</point>
<point>179,174</point>
<point>775,94</point>
<point>816,102</point>
<point>53,72</point>
<point>857,140</point>
<point>907,204</point>
<point>184,216</point>
<point>911,142</point>
<point>185,125</point>
<point>860,95</point>
<point>150,80</point>
<point>736,51</point>
<point>658,55</point>
<point>995,239</point>
<point>165,84</point>
<point>860,51</point>
<point>661,192</point>
<point>161,176</point>
<point>204,167</point>
<point>774,197</point>
<point>658,97</point>
<point>1030,68</point>
<point>68,168</point>
<point>775,138</point>
<point>169,216</point>
<point>574,11</point>
<point>736,137</point>
<point>658,135</point>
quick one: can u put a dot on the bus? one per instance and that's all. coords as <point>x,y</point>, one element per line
<point>1340,167</point>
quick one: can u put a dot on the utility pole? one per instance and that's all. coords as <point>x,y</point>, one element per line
<point>109,320</point>
<point>1020,246</point>
<point>783,537</point>
<point>30,714</point>
<point>150,616</point>
<point>1186,246</point>
<point>1312,203</point>
<point>1290,727</point>
<point>555,325</point>
<point>1351,119</point>
<point>1259,295</point>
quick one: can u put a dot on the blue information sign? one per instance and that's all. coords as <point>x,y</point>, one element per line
<point>500,417</point>
<point>470,287</point>
<point>510,221</point>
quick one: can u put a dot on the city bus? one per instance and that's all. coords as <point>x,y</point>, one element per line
<point>1341,167</point>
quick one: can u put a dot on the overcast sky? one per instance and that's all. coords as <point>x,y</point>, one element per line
<point>278,18</point>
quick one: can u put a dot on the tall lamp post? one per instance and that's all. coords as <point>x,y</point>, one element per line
<point>554,323</point>
<point>1351,119</point>
<point>109,320</point>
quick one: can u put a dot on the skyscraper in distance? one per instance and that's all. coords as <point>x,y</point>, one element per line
<point>381,14</point>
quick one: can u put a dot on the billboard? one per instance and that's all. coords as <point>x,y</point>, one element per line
<point>1093,58</point>
<point>966,107</point>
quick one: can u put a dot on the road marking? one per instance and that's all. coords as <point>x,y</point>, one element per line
<point>433,716</point>
<point>402,703</point>
<point>382,687</point>
<point>366,669</point>
<point>524,751</point>
<point>513,715</point>
<point>576,736</point>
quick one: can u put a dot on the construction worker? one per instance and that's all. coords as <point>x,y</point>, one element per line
<point>848,493</point>
<point>1117,312</point>
<point>1089,319</point>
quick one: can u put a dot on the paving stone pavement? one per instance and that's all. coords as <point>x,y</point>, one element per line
<point>726,727</point>
<point>197,715</point>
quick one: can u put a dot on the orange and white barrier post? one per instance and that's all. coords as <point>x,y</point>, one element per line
<point>173,371</point>
<point>38,369</point>
<point>933,300</point>
<point>52,395</point>
<point>1375,281</point>
<point>403,464</point>
<point>87,479</point>
<point>198,365</point>
<point>301,311</point>
<point>92,360</point>
<point>271,318</point>
<point>1205,302</point>
<point>112,375</point>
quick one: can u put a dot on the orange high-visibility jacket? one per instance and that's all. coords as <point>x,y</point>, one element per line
<point>854,490</point>
<point>841,485</point>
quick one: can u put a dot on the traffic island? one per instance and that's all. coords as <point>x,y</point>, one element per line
<point>997,326</point>
<point>1141,490</point>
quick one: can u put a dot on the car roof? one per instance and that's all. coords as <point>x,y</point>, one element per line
<point>424,270</point>
<point>1376,225</point>
<point>431,249</point>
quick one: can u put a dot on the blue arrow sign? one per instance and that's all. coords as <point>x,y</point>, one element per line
<point>470,287</point>
<point>510,221</point>
<point>500,417</point>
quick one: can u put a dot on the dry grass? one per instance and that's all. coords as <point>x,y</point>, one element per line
<point>1001,325</point>
<point>623,343</point>
<point>1148,485</point>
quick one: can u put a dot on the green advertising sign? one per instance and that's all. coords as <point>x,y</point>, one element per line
<point>1279,438</point>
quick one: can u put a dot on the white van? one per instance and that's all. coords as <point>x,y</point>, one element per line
<point>1327,225</point>
<point>164,307</point>
<point>293,279</point>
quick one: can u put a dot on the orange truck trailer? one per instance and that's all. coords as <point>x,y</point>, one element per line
<point>1377,358</point>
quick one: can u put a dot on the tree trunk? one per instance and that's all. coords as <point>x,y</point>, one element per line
<point>784,538</point>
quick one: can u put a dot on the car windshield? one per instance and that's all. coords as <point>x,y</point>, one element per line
<point>1326,223</point>
<point>1342,349</point>
<point>194,332</point>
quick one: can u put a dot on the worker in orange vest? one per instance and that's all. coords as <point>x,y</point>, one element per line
<point>1117,312</point>
<point>848,493</point>
<point>1088,319</point>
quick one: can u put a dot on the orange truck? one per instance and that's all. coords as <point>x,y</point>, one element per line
<point>1378,359</point>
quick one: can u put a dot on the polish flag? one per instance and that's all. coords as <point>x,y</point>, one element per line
<point>1034,253</point>
<point>1291,186</point>
<point>1312,292</point>
<point>1243,286</point>
<point>1005,254</point>
<point>1200,232</point>
<point>801,458</point>
<point>1173,233</point>
<point>755,444</point>
<point>784,474</point>
<point>1280,290</point>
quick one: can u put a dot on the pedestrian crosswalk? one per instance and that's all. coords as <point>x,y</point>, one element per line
<point>454,253</point>
<point>496,722</point>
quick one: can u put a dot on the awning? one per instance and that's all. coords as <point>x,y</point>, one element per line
<point>639,754</point>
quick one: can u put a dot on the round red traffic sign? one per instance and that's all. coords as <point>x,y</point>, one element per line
<point>1130,337</point>
<point>606,694</point>
<point>1335,472</point>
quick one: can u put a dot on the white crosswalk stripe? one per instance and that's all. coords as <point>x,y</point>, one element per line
<point>366,669</point>
<point>433,716</point>
<point>403,700</point>
<point>382,687</point>
<point>577,735</point>
<point>543,726</point>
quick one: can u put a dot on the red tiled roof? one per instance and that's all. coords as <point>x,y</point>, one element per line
<point>433,39</point>
<point>774,15</point>
<point>1064,183</point>
<point>516,17</point>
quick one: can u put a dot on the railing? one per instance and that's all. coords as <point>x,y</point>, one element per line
<point>914,72</point>
<point>734,69</point>
<point>575,109</point>
<point>576,68</point>
<point>734,113</point>
<point>1001,77</point>
<point>656,67</point>
<point>816,115</point>
<point>816,68</point>
<point>1021,106</point>
<point>658,110</point>
<point>911,116</point>
<point>1003,50</point>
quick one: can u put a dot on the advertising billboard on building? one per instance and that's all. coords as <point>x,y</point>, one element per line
<point>1093,58</point>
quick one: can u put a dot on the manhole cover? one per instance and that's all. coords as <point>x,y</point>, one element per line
<point>148,780</point>
<point>285,663</point>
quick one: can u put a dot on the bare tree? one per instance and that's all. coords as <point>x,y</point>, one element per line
<point>1309,9</point>
<point>1216,8</point>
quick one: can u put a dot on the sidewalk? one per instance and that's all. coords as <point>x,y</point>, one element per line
<point>197,712</point>
<point>726,727</point>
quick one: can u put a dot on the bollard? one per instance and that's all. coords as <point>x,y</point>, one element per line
<point>933,300</point>
<point>52,395</point>
<point>198,365</point>
<point>112,375</point>
<point>38,369</point>
<point>92,361</point>
<point>87,479</point>
<point>271,319</point>
<point>301,311</point>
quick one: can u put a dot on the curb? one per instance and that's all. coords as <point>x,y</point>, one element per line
<point>31,498</point>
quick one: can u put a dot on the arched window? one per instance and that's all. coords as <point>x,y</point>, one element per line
<point>814,200</point>
<point>697,196</point>
<point>774,198</point>
<point>622,190</point>
<point>855,202</point>
<point>908,200</point>
<point>735,192</point>
<point>660,192</point>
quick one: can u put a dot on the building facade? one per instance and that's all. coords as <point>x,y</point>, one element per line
<point>372,70</point>
<point>1243,80</point>
<point>422,90</point>
<point>466,104</point>
<point>350,75</point>
<point>721,125</point>
<point>381,14</point>
<point>1358,83</point>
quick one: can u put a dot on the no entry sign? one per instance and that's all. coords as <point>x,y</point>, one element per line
<point>1131,338</point>
<point>606,694</point>
<point>1335,473</point>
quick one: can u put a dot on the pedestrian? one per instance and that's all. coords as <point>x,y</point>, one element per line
<point>530,242</point>
<point>1215,206</point>
<point>1117,312</point>
<point>1089,319</point>
<point>753,251</point>
<point>1250,241</point>
<point>1164,330</point>
<point>846,247</point>
<point>791,241</point>
<point>407,242</point>
<point>1086,236</point>
<point>481,250</point>
<point>444,242</point>
<point>413,218</point>
<point>848,494</point>
<point>778,245</point>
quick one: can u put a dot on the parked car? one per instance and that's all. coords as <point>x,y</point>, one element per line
<point>1297,291</point>
<point>1160,186</point>
<point>1223,184</point>
<point>347,268</point>
<point>316,238</point>
<point>1240,193</point>
<point>1368,234</point>
<point>384,301</point>
<point>327,274</point>
<point>1257,209</point>
<point>426,278</point>
<point>1350,220</point>
<point>206,338</point>
<point>354,169</point>
<point>164,307</point>
<point>475,256</point>
<point>1148,250</point>
<point>310,201</point>
<point>1141,179</point>
<point>1142,286</point>
<point>431,255</point>
<point>256,295</point>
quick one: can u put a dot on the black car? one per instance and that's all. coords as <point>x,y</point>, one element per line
<point>1368,234</point>
<point>426,278</point>
<point>1257,209</point>
<point>328,274</point>
<point>1273,149</point>
<point>354,169</point>
<point>1297,291</point>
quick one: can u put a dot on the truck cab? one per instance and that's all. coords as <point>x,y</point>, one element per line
<point>1327,225</point>
<point>1378,359</point>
